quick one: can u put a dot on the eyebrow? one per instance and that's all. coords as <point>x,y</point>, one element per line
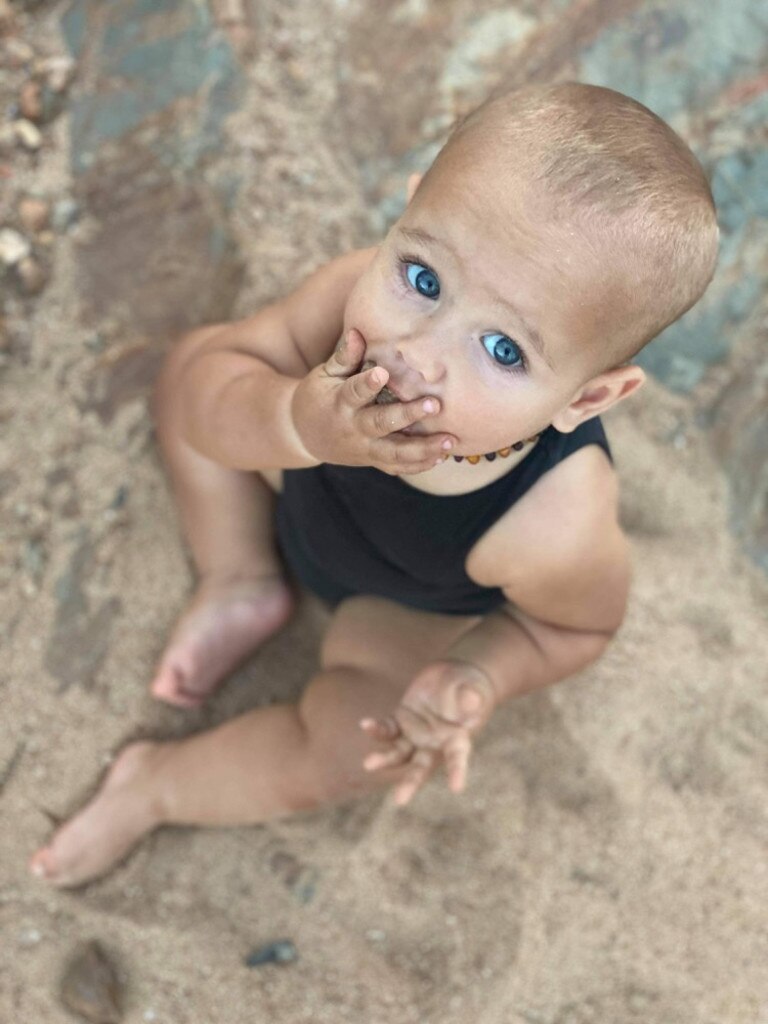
<point>418,235</point>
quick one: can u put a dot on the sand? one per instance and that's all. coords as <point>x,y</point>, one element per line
<point>606,864</point>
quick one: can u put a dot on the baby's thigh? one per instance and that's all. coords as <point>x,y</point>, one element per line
<point>381,636</point>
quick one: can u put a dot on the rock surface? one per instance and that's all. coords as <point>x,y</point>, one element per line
<point>607,862</point>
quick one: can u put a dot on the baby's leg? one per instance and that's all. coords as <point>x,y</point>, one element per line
<point>227,519</point>
<point>271,761</point>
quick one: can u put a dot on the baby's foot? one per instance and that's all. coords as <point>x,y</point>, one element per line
<point>100,835</point>
<point>226,621</point>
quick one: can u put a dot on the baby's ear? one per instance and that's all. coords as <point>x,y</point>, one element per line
<point>599,394</point>
<point>414,180</point>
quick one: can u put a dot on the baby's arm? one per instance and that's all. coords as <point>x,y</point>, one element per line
<point>238,387</point>
<point>276,391</point>
<point>566,580</point>
<point>567,583</point>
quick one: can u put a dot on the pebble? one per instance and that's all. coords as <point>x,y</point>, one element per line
<point>27,134</point>
<point>30,937</point>
<point>34,213</point>
<point>90,986</point>
<point>65,212</point>
<point>17,52</point>
<point>280,952</point>
<point>34,557</point>
<point>31,276</point>
<point>31,100</point>
<point>14,247</point>
<point>57,71</point>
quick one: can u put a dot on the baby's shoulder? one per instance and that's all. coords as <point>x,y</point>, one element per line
<point>572,503</point>
<point>572,507</point>
<point>559,553</point>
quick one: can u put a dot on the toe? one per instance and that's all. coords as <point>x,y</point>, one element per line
<point>168,686</point>
<point>41,864</point>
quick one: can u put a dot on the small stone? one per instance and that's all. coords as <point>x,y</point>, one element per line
<point>120,498</point>
<point>65,212</point>
<point>14,247</point>
<point>58,72</point>
<point>30,937</point>
<point>27,134</point>
<point>31,276</point>
<point>31,100</point>
<point>280,952</point>
<point>90,986</point>
<point>17,52</point>
<point>297,74</point>
<point>34,213</point>
<point>33,556</point>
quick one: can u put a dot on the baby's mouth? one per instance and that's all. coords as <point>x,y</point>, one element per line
<point>385,396</point>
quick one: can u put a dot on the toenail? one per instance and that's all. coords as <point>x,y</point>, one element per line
<point>38,870</point>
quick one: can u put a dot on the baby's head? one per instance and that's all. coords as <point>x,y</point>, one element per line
<point>558,231</point>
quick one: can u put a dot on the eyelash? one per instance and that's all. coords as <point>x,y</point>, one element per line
<point>404,260</point>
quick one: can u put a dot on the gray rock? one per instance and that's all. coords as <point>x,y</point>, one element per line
<point>90,986</point>
<point>280,952</point>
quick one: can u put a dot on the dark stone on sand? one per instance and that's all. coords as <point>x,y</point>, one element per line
<point>145,131</point>
<point>165,253</point>
<point>80,637</point>
<point>90,986</point>
<point>147,59</point>
<point>280,952</point>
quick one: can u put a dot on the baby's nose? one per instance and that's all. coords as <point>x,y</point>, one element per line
<point>423,355</point>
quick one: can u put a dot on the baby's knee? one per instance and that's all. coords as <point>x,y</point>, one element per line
<point>335,747</point>
<point>165,389</point>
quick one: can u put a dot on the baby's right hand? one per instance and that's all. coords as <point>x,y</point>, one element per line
<point>336,416</point>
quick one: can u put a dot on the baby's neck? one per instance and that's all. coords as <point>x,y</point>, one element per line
<point>462,477</point>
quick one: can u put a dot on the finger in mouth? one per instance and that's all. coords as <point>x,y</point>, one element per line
<point>384,396</point>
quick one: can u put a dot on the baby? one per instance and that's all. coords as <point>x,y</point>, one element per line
<point>413,435</point>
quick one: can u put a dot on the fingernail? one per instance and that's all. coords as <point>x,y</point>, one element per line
<point>447,445</point>
<point>429,406</point>
<point>38,870</point>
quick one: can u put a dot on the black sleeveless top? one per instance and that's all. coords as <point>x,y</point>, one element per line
<point>346,530</point>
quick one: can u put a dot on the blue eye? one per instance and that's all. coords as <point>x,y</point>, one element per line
<point>424,280</point>
<point>504,349</point>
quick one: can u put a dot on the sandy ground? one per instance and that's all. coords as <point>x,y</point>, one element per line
<point>607,863</point>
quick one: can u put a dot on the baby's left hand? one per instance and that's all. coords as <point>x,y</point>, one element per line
<point>444,706</point>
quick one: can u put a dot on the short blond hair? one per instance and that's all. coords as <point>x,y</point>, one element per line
<point>627,179</point>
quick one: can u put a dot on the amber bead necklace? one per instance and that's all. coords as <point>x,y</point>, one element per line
<point>502,453</point>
